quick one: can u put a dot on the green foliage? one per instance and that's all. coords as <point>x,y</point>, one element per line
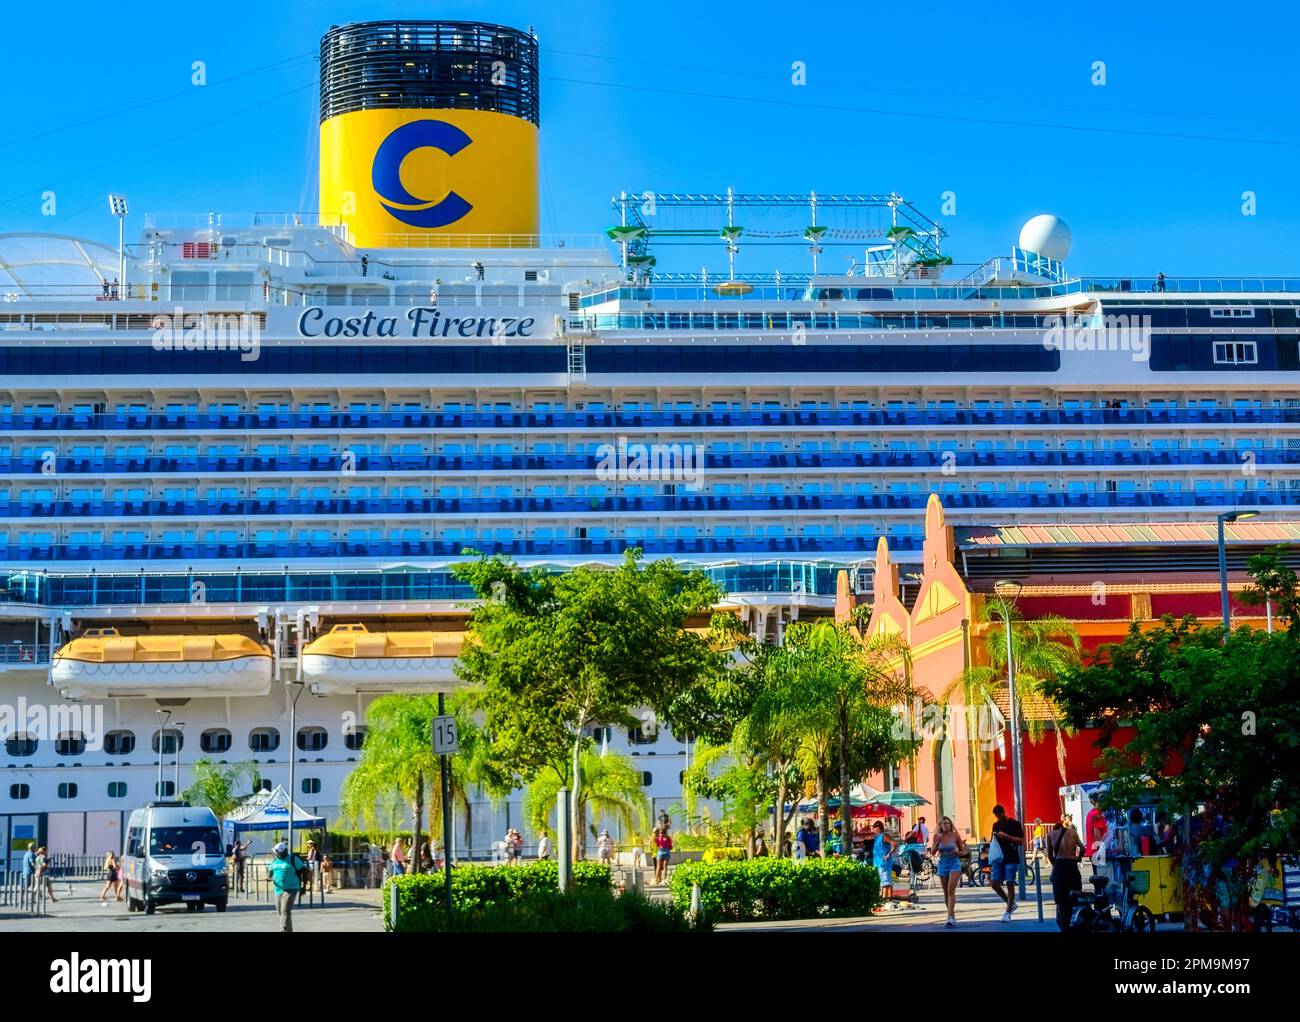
<point>1275,583</point>
<point>476,887</point>
<point>585,910</point>
<point>738,781</point>
<point>221,787</point>
<point>611,786</point>
<point>768,888</point>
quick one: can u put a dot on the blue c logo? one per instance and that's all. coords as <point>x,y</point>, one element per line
<point>386,173</point>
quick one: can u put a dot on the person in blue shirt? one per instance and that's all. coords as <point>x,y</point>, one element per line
<point>283,872</point>
<point>29,864</point>
<point>882,857</point>
<point>811,839</point>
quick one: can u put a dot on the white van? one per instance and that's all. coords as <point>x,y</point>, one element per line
<point>174,856</point>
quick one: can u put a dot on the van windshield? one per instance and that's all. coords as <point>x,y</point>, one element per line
<point>182,840</point>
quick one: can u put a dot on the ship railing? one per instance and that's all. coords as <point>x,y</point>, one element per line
<point>25,654</point>
<point>21,893</point>
<point>236,221</point>
<point>398,240</point>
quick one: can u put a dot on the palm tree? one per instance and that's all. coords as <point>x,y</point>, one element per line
<point>1042,647</point>
<point>611,786</point>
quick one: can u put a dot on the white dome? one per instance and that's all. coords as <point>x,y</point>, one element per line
<point>1047,235</point>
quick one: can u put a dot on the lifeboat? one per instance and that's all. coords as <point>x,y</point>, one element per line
<point>352,658</point>
<point>104,663</point>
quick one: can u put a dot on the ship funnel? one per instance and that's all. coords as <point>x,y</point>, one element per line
<point>428,134</point>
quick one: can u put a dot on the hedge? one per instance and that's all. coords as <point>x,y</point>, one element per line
<point>778,888</point>
<point>586,910</point>
<point>474,887</point>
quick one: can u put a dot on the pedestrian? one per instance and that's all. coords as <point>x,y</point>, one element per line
<point>326,874</point>
<point>605,848</point>
<point>375,855</point>
<point>112,878</point>
<point>313,864</point>
<point>1004,868</point>
<point>950,847</point>
<point>543,846</point>
<point>1064,850</point>
<point>43,874</point>
<point>663,853</point>
<point>760,847</point>
<point>29,867</point>
<point>365,265</point>
<point>1094,828</point>
<point>810,838</point>
<point>1141,835</point>
<point>284,871</point>
<point>922,832</point>
<point>240,852</point>
<point>1160,281</point>
<point>426,857</point>
<point>1040,834</point>
<point>397,858</point>
<point>882,857</point>
<point>835,839</point>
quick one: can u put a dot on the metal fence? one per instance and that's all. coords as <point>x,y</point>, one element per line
<point>21,892</point>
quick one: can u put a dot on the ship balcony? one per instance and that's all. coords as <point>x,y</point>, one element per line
<point>24,656</point>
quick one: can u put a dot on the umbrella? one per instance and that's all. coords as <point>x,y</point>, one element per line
<point>901,799</point>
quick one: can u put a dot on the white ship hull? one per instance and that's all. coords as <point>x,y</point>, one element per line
<point>329,675</point>
<point>242,676</point>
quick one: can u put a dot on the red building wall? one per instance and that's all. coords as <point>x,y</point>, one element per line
<point>1042,778</point>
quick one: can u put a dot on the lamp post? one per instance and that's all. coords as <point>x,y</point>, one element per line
<point>117,206</point>
<point>1002,588</point>
<point>166,715</point>
<point>1228,516</point>
<point>295,690</point>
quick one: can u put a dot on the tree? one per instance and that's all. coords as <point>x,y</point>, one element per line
<point>1043,648</point>
<point>548,655</point>
<point>1217,737</point>
<point>830,694</point>
<point>397,760</point>
<point>611,786</point>
<point>221,787</point>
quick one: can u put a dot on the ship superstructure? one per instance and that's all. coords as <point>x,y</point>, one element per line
<point>252,460</point>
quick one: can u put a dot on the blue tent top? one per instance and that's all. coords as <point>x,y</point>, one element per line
<point>269,810</point>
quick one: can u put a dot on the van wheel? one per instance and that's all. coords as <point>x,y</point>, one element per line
<point>149,906</point>
<point>191,907</point>
<point>198,906</point>
<point>220,905</point>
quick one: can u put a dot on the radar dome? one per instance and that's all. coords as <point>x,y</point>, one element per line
<point>1047,235</point>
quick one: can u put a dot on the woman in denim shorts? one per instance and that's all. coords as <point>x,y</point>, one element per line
<point>950,847</point>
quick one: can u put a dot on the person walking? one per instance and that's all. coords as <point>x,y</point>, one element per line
<point>283,872</point>
<point>43,874</point>
<point>112,878</point>
<point>950,847</point>
<point>375,856</point>
<point>313,864</point>
<point>426,857</point>
<point>1040,835</point>
<point>240,854</point>
<point>663,853</point>
<point>1005,868</point>
<point>29,867</point>
<point>605,848</point>
<point>326,874</point>
<point>882,857</point>
<point>1064,850</point>
<point>543,846</point>
<point>760,847</point>
<point>397,857</point>
<point>922,831</point>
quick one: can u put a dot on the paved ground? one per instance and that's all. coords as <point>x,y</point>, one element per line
<point>80,911</point>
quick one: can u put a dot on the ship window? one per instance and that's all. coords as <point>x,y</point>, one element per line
<point>311,785</point>
<point>172,741</point>
<point>264,785</point>
<point>117,789</point>
<point>646,778</point>
<point>312,739</point>
<point>167,789</point>
<point>22,744</point>
<point>18,792</point>
<point>70,743</point>
<point>189,285</point>
<point>119,743</point>
<point>215,740</point>
<point>1235,353</point>
<point>234,286</point>
<point>68,789</point>
<point>264,739</point>
<point>354,738</point>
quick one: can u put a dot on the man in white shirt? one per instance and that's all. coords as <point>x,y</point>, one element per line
<point>923,832</point>
<point>544,846</point>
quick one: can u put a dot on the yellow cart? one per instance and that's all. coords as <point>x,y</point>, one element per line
<point>1157,884</point>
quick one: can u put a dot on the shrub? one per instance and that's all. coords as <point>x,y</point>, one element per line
<point>474,887</point>
<point>589,909</point>
<point>778,888</point>
<point>723,855</point>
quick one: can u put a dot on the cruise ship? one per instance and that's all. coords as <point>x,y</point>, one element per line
<point>239,456</point>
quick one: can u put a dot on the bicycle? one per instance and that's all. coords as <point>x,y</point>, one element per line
<point>1096,912</point>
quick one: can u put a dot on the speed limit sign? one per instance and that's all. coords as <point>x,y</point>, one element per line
<point>446,741</point>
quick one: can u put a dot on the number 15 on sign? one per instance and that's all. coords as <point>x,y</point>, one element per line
<point>446,742</point>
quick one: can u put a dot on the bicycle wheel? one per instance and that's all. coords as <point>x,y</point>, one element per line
<point>1141,920</point>
<point>1082,918</point>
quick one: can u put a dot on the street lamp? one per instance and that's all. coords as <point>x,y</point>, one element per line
<point>1008,590</point>
<point>166,715</point>
<point>117,207</point>
<point>1228,516</point>
<point>295,690</point>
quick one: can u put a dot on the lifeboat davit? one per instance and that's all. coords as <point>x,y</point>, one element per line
<point>352,658</point>
<point>104,663</point>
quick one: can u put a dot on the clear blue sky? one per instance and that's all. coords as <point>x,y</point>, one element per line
<point>918,99</point>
